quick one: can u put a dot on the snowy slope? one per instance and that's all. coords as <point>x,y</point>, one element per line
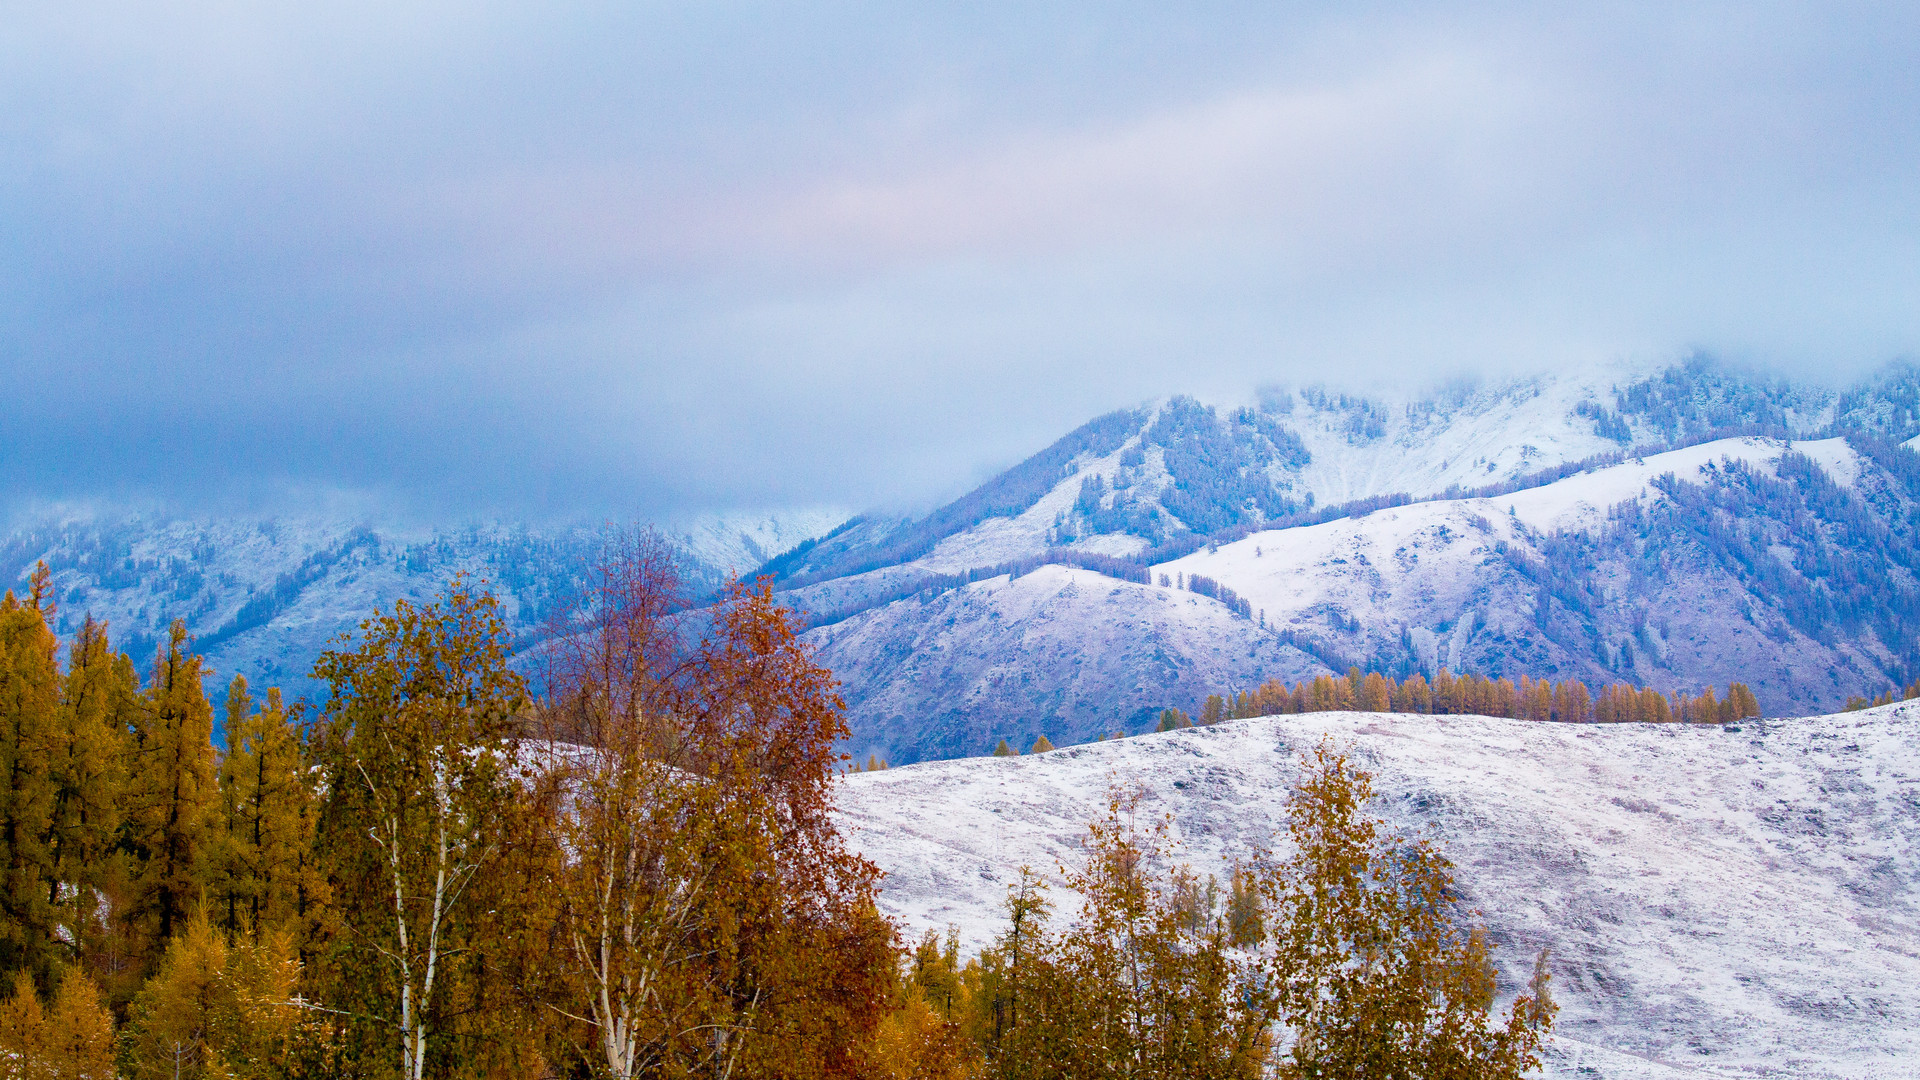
<point>1539,582</point>
<point>1065,653</point>
<point>1470,438</point>
<point>264,596</point>
<point>1739,902</point>
<point>1444,579</point>
<point>1351,447</point>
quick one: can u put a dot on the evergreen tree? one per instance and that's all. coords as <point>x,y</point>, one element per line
<point>171,799</point>
<point>263,877</point>
<point>29,738</point>
<point>97,709</point>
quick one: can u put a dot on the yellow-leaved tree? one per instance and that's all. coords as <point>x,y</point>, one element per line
<point>1380,974</point>
<point>1348,958</point>
<point>213,1010</point>
<point>421,831</point>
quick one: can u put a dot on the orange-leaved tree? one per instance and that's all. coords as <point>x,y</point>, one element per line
<point>711,920</point>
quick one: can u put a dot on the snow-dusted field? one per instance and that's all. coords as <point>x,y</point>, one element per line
<point>1737,902</point>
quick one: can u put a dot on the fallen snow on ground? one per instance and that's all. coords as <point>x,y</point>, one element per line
<point>1737,902</point>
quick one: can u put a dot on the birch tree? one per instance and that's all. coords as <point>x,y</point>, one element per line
<point>710,920</point>
<point>423,781</point>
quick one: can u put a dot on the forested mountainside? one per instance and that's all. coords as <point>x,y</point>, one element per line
<point>264,596</point>
<point>1675,528</point>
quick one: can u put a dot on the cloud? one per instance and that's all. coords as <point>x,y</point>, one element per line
<point>597,258</point>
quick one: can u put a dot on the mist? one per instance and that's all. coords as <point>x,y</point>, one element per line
<point>594,259</point>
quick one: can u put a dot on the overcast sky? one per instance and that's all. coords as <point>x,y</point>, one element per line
<point>569,258</point>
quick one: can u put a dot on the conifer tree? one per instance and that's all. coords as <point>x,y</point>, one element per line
<point>1413,696</point>
<point>1040,745</point>
<point>1374,695</point>
<point>175,1024</point>
<point>23,1033</point>
<point>1742,704</point>
<point>171,798</point>
<point>79,1042</point>
<point>1003,750</point>
<point>29,738</point>
<point>97,709</point>
<point>263,878</point>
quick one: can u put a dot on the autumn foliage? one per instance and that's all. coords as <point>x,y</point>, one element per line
<point>1350,957</point>
<point>1567,701</point>
<point>709,919</point>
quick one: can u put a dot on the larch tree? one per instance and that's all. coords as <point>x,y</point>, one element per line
<point>170,803</point>
<point>263,877</point>
<point>29,737</point>
<point>97,708</point>
<point>72,1040</point>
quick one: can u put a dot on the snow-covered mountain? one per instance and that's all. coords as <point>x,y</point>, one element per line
<point>1675,528</point>
<point>1672,526</point>
<point>1737,901</point>
<point>263,596</point>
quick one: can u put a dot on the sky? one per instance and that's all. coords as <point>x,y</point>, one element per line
<point>575,259</point>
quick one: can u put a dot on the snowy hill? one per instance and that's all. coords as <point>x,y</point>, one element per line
<point>1176,471</point>
<point>1738,902</point>
<point>1447,583</point>
<point>1063,652</point>
<point>1674,528</point>
<point>1787,566</point>
<point>264,596</point>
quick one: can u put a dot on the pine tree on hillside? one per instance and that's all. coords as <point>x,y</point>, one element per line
<point>262,875</point>
<point>29,723</point>
<point>1040,746</point>
<point>97,708</point>
<point>79,1043</point>
<point>171,797</point>
<point>1003,750</point>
